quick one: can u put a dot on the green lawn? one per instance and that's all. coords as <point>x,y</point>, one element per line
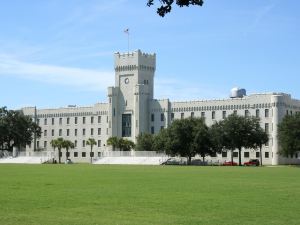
<point>95,194</point>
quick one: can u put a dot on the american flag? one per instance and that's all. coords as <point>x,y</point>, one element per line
<point>126,31</point>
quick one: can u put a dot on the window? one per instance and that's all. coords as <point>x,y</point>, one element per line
<point>202,114</point>
<point>76,120</point>
<point>83,143</point>
<point>99,154</point>
<point>266,113</point>
<point>257,154</point>
<point>83,154</point>
<point>152,130</point>
<point>266,155</point>
<point>267,128</point>
<point>152,117</point>
<point>75,154</point>
<point>99,131</point>
<point>75,143</point>
<point>182,115</point>
<point>52,132</point>
<point>114,112</point>
<point>99,143</point>
<point>52,121</point>
<point>162,117</point>
<point>83,120</point>
<point>45,144</point>
<point>235,154</point>
<point>257,113</point>
<point>67,154</point>
<point>45,121</point>
<point>213,115</point>
<point>38,121</point>
<point>246,154</point>
<point>60,121</point>
<point>60,132</point>
<point>224,154</point>
<point>223,114</point>
<point>126,125</point>
<point>92,131</point>
<point>68,132</point>
<point>92,120</point>
<point>91,154</point>
<point>83,131</point>
<point>45,133</point>
<point>192,114</point>
<point>172,116</point>
<point>99,119</point>
<point>247,113</point>
<point>234,112</point>
<point>75,132</point>
<point>68,120</point>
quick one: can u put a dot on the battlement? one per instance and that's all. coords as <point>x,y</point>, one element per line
<point>135,60</point>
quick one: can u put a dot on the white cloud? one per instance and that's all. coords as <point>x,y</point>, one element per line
<point>85,79</point>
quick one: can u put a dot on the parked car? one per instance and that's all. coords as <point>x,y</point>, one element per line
<point>229,163</point>
<point>252,162</point>
<point>171,161</point>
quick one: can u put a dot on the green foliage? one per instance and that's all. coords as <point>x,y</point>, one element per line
<point>16,129</point>
<point>113,141</point>
<point>91,142</point>
<point>68,145</point>
<point>166,5</point>
<point>61,143</point>
<point>122,144</point>
<point>188,137</point>
<point>240,132</point>
<point>289,135</point>
<point>110,195</point>
<point>125,144</point>
<point>145,142</point>
<point>162,142</point>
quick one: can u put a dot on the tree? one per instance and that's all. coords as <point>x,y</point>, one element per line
<point>162,142</point>
<point>59,144</point>
<point>91,142</point>
<point>181,138</point>
<point>260,138</point>
<point>16,129</point>
<point>289,135</point>
<point>125,145</point>
<point>238,133</point>
<point>67,145</point>
<point>54,144</point>
<point>166,5</point>
<point>145,142</point>
<point>114,142</point>
<point>202,140</point>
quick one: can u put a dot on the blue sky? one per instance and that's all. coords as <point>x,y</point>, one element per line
<point>59,52</point>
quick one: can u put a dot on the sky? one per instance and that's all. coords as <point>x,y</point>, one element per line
<point>55,53</point>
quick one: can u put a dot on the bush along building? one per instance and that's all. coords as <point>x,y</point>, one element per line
<point>131,110</point>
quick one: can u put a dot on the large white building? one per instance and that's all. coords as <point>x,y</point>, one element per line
<point>131,109</point>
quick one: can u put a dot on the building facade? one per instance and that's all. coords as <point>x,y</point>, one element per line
<point>131,110</point>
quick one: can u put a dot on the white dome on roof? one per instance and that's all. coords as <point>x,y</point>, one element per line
<point>237,92</point>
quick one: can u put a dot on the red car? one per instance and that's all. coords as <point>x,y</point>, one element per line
<point>252,162</point>
<point>229,163</point>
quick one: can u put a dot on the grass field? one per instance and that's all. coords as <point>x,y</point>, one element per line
<point>94,194</point>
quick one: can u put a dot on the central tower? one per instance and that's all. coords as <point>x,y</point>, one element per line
<point>129,99</point>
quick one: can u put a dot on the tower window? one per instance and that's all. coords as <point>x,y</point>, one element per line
<point>126,125</point>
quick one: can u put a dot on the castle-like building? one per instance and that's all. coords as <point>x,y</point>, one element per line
<point>131,110</point>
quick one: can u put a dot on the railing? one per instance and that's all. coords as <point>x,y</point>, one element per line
<point>131,154</point>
